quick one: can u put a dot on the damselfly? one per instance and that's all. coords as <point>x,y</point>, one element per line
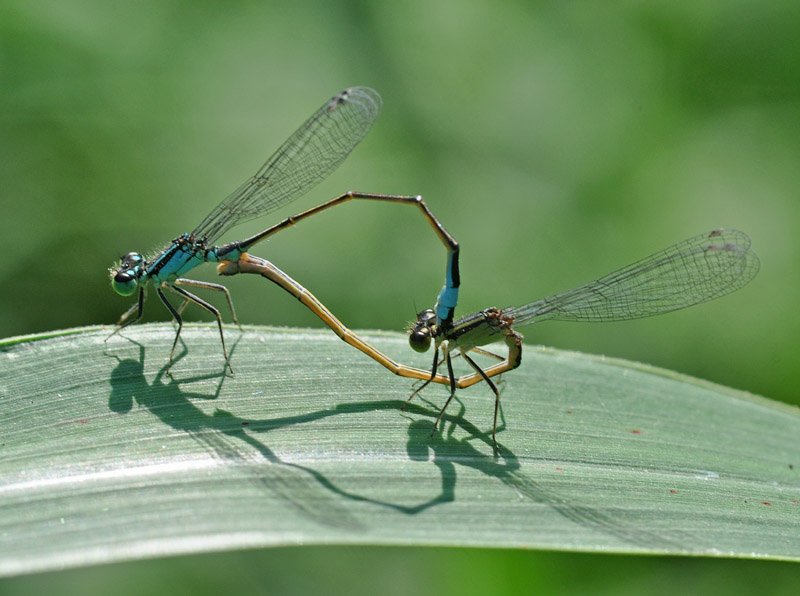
<point>310,154</point>
<point>696,270</point>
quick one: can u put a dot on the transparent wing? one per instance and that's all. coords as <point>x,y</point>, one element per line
<point>693,271</point>
<point>308,156</point>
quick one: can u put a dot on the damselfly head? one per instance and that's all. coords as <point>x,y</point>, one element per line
<point>125,278</point>
<point>421,331</point>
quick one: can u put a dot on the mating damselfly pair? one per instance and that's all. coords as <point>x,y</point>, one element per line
<point>695,270</point>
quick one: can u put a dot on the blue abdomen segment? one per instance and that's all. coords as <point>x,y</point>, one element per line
<point>448,298</point>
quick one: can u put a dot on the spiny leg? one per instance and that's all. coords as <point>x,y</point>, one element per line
<point>202,303</point>
<point>492,355</point>
<point>182,281</point>
<point>175,315</point>
<point>183,305</point>
<point>483,352</point>
<point>434,367</point>
<point>493,387</point>
<point>138,306</point>
<point>477,351</point>
<point>472,378</point>
<point>128,312</point>
<point>452,389</point>
<point>514,342</point>
<point>424,382</point>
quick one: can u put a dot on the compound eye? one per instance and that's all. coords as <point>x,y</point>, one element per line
<point>125,282</point>
<point>131,259</point>
<point>420,339</point>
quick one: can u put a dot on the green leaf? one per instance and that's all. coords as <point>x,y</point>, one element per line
<point>105,458</point>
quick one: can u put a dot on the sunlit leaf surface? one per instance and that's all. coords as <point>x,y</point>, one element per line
<point>103,457</point>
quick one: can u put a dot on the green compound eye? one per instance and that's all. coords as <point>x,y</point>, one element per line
<point>125,282</point>
<point>420,339</point>
<point>421,332</point>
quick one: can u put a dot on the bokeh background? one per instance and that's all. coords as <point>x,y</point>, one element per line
<point>555,140</point>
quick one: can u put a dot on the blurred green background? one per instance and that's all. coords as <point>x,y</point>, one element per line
<point>555,140</point>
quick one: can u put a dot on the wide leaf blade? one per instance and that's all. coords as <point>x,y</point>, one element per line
<point>104,457</point>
